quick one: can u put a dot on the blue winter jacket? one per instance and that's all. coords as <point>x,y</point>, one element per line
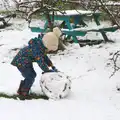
<point>34,52</point>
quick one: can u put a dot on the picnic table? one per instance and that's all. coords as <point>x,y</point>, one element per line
<point>4,17</point>
<point>73,24</point>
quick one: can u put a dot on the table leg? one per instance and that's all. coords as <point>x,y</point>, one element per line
<point>96,18</point>
<point>46,25</point>
<point>70,28</point>
<point>78,20</point>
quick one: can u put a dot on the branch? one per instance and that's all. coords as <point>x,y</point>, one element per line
<point>27,2</point>
<point>33,12</point>
<point>115,59</point>
<point>109,13</point>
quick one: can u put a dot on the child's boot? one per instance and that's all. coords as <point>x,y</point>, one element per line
<point>23,92</point>
<point>20,86</point>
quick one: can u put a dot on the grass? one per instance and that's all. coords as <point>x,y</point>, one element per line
<point>16,97</point>
<point>5,12</point>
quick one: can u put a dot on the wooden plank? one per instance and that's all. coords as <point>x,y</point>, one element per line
<point>74,33</point>
<point>37,29</point>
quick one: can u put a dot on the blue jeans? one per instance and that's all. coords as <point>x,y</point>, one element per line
<point>29,74</point>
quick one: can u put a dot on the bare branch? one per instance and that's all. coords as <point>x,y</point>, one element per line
<point>115,59</point>
<point>105,8</point>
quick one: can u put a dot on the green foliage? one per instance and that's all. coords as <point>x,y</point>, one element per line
<point>4,12</point>
<point>60,5</point>
<point>16,97</point>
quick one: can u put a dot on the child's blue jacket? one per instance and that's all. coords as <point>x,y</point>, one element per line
<point>34,52</point>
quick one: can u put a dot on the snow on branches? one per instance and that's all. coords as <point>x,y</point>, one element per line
<point>116,62</point>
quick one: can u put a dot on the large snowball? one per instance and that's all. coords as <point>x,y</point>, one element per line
<point>55,85</point>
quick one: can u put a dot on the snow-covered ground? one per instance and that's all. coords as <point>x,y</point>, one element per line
<point>9,4</point>
<point>93,95</point>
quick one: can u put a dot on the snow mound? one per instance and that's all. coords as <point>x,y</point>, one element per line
<point>55,85</point>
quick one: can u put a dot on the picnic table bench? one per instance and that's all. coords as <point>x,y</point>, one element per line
<point>73,24</point>
<point>3,18</point>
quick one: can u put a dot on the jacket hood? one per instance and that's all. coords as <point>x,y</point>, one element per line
<point>36,43</point>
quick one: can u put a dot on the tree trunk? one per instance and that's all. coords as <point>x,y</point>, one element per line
<point>61,45</point>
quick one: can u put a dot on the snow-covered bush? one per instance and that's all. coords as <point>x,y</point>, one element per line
<point>55,85</point>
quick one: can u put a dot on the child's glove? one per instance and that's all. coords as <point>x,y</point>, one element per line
<point>48,71</point>
<point>54,69</point>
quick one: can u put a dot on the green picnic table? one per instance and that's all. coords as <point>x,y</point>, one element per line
<point>73,25</point>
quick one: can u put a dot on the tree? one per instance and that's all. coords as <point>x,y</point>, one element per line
<point>111,8</point>
<point>114,16</point>
<point>29,8</point>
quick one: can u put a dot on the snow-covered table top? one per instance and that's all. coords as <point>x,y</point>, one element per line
<point>74,12</point>
<point>90,28</point>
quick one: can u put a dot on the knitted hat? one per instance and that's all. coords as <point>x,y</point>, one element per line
<point>57,32</point>
<point>51,39</point>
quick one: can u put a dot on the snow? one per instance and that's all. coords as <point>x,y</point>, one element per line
<point>112,3</point>
<point>58,85</point>
<point>87,28</point>
<point>9,4</point>
<point>74,12</point>
<point>93,95</point>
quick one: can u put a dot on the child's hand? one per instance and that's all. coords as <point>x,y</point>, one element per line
<point>54,69</point>
<point>48,71</point>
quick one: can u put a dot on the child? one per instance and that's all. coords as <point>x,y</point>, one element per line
<point>35,52</point>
